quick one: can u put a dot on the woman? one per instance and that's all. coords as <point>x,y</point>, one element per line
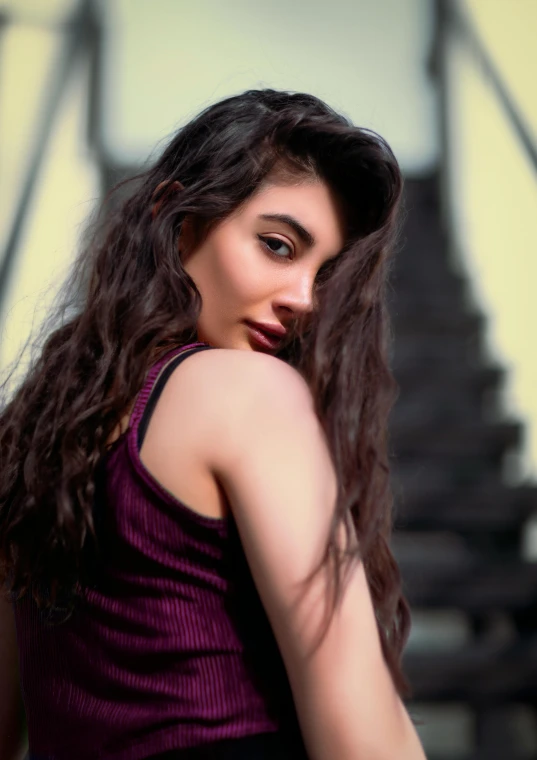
<point>195,510</point>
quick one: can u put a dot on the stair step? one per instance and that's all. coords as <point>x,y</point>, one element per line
<point>469,583</point>
<point>458,439</point>
<point>454,378</point>
<point>482,508</point>
<point>451,296</point>
<point>436,394</point>
<point>415,350</point>
<point>478,672</point>
<point>432,324</point>
<point>436,407</point>
<point>416,270</point>
<point>414,474</point>
<point>415,275</point>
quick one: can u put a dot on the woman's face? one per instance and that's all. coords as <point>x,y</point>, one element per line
<point>258,266</point>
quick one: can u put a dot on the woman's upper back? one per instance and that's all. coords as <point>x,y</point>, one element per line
<point>196,628</point>
<point>171,646</point>
<point>208,409</point>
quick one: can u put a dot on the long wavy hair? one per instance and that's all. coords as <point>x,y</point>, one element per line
<point>129,300</point>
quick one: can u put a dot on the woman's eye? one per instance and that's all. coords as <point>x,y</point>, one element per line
<point>276,246</point>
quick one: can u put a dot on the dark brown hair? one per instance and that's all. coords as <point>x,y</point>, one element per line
<point>131,300</point>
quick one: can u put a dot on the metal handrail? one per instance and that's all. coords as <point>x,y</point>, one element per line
<point>459,22</point>
<point>74,47</point>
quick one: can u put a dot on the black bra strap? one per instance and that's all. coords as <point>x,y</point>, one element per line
<point>159,387</point>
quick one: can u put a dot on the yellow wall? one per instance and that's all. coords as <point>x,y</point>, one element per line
<point>494,195</point>
<point>164,60</point>
<point>67,184</point>
<point>494,191</point>
<point>508,29</point>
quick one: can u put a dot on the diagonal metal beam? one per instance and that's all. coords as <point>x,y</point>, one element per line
<point>74,47</point>
<point>462,25</point>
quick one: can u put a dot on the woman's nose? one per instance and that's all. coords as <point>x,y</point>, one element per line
<point>297,295</point>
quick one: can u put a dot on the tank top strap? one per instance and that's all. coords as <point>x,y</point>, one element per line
<point>157,376</point>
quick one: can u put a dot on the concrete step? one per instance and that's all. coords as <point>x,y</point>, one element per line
<point>488,507</point>
<point>477,673</point>
<point>466,581</point>
<point>438,323</point>
<point>472,380</point>
<point>458,439</point>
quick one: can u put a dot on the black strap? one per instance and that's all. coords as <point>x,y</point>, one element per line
<point>159,387</point>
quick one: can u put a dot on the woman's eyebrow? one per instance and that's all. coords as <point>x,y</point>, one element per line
<point>300,230</point>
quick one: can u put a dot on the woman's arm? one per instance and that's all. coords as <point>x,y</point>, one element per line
<point>11,712</point>
<point>263,442</point>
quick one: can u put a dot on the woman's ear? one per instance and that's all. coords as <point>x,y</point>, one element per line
<point>162,192</point>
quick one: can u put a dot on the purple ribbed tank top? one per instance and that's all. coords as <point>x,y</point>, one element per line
<point>169,647</point>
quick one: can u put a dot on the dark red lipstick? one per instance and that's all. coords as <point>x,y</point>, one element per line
<point>265,335</point>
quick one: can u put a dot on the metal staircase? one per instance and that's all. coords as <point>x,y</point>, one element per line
<point>459,525</point>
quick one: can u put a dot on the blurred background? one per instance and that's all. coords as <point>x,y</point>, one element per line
<point>90,90</point>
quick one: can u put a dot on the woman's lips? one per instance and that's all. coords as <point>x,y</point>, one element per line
<point>262,338</point>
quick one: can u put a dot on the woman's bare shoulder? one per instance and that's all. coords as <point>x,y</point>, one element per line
<point>222,378</point>
<point>232,359</point>
<point>219,399</point>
